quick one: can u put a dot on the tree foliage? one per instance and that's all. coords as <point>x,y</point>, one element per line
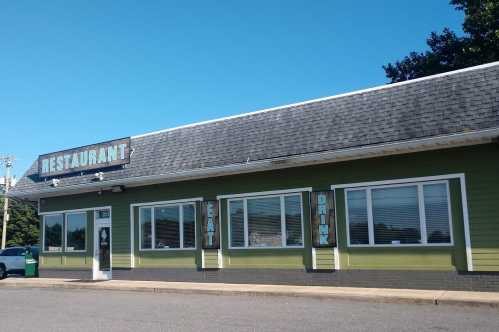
<point>447,51</point>
<point>23,227</point>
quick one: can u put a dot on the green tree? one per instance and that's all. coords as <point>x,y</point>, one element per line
<point>480,44</point>
<point>24,225</point>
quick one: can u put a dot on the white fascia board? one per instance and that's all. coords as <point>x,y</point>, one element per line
<point>379,150</point>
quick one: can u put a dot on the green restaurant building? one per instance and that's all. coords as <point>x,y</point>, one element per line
<point>393,186</point>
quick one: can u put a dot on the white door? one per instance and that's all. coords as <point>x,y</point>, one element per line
<point>102,269</point>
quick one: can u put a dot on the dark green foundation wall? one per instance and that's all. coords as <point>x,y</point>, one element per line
<point>479,163</point>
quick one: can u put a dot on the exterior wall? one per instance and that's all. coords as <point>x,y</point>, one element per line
<point>478,163</point>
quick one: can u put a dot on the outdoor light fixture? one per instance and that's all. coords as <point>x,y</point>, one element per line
<point>117,189</point>
<point>55,182</point>
<point>99,176</point>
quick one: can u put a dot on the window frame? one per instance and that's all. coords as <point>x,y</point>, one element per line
<point>62,234</point>
<point>65,248</point>
<point>283,221</point>
<point>180,205</point>
<point>422,215</point>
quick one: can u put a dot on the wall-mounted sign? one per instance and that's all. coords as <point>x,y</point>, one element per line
<point>323,219</point>
<point>211,225</point>
<point>85,158</point>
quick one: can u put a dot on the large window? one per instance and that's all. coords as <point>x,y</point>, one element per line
<point>52,232</point>
<point>402,214</point>
<point>76,228</point>
<point>266,222</point>
<point>168,227</point>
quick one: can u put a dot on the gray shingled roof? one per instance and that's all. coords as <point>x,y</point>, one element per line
<point>445,104</point>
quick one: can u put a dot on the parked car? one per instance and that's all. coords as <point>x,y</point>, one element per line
<point>12,260</point>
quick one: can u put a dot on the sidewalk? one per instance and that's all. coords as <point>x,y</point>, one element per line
<point>434,297</point>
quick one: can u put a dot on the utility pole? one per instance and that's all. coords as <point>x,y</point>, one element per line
<point>8,164</point>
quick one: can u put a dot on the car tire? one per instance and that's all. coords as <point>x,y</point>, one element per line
<point>3,272</point>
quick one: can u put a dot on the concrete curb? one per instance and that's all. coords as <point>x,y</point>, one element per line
<point>379,295</point>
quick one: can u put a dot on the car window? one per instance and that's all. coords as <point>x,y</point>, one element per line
<point>9,252</point>
<point>13,252</point>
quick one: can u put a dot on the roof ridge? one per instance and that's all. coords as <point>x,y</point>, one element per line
<point>341,95</point>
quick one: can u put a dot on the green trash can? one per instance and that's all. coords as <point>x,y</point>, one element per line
<point>31,264</point>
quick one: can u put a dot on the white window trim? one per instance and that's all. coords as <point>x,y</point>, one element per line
<point>43,234</point>
<point>180,205</point>
<point>265,193</point>
<point>66,231</point>
<point>283,221</point>
<point>422,215</point>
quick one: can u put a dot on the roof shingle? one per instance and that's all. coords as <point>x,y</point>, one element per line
<point>445,104</point>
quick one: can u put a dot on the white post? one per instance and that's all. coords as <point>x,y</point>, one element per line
<point>8,165</point>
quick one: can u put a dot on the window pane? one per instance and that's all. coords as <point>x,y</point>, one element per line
<point>396,215</point>
<point>75,231</point>
<point>264,222</point>
<point>292,207</point>
<point>357,217</point>
<point>167,227</point>
<point>103,214</point>
<point>437,213</point>
<point>145,228</point>
<point>53,232</point>
<point>189,226</point>
<point>236,223</point>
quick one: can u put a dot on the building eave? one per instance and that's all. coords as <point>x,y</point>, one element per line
<point>364,152</point>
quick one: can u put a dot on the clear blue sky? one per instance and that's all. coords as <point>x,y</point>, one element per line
<point>78,72</point>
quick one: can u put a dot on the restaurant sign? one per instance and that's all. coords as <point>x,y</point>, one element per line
<point>210,223</point>
<point>101,155</point>
<point>323,219</point>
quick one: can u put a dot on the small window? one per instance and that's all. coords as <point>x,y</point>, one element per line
<point>52,232</point>
<point>76,228</point>
<point>236,223</point>
<point>145,218</point>
<point>266,222</point>
<point>189,217</point>
<point>357,215</point>
<point>103,214</point>
<point>292,208</point>
<point>412,214</point>
<point>168,227</point>
<point>437,213</point>
<point>396,215</point>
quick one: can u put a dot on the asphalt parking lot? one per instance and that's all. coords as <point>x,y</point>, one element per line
<point>83,310</point>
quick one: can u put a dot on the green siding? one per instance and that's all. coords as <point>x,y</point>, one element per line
<point>479,163</point>
<point>210,258</point>
<point>324,258</point>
